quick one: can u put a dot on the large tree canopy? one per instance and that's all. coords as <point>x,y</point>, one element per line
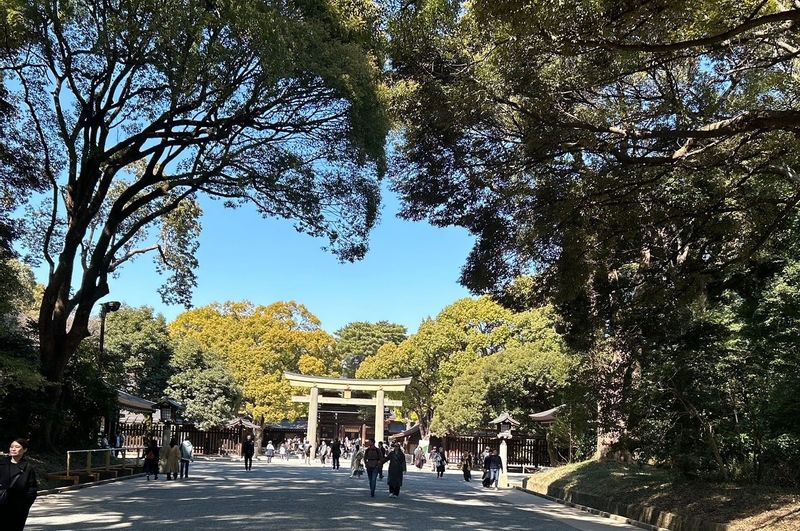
<point>357,341</point>
<point>527,123</point>
<point>529,375</point>
<point>258,343</point>
<point>137,352</point>
<point>139,106</point>
<point>642,158</point>
<point>441,350</point>
<point>202,382</point>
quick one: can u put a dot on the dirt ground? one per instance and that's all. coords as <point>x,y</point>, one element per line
<point>742,507</point>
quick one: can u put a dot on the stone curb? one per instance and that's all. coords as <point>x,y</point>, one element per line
<point>665,521</point>
<point>592,510</point>
<point>59,490</point>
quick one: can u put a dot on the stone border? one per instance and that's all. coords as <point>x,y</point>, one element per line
<point>642,516</point>
<point>59,490</point>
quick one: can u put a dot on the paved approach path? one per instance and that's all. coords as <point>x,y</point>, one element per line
<point>222,495</point>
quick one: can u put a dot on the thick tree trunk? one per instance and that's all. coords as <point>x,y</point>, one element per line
<point>617,379</point>
<point>60,334</point>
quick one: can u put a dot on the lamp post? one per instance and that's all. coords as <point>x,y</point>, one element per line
<point>105,308</point>
<point>504,426</point>
<point>169,411</point>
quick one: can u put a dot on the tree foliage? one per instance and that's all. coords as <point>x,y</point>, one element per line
<point>642,158</point>
<point>202,382</point>
<point>138,349</point>
<point>465,335</point>
<point>357,341</point>
<point>530,374</point>
<point>259,343</point>
<point>20,379</point>
<point>139,107</point>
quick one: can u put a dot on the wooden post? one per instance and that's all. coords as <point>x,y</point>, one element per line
<point>89,461</point>
<point>69,457</point>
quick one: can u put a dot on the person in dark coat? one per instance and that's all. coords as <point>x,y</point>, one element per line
<point>382,449</point>
<point>466,465</point>
<point>494,464</point>
<point>18,480</point>
<point>151,459</point>
<point>336,452</point>
<point>397,467</point>
<point>249,451</point>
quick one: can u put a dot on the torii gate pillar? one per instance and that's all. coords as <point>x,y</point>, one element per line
<point>313,409</point>
<point>379,415</point>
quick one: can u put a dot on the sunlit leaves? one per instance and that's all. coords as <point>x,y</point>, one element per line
<point>258,343</point>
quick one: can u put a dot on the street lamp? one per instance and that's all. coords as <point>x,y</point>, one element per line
<point>106,307</point>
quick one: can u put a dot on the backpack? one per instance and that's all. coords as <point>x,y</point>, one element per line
<point>372,457</point>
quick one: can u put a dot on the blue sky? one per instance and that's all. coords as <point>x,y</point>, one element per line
<point>410,272</point>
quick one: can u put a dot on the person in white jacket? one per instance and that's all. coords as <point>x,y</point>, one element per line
<point>187,455</point>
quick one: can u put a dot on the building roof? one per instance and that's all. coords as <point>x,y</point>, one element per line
<point>246,423</point>
<point>546,416</point>
<point>169,402</point>
<point>299,424</point>
<point>505,417</point>
<point>410,431</point>
<point>134,403</point>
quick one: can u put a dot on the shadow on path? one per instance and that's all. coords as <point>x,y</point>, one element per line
<point>222,495</point>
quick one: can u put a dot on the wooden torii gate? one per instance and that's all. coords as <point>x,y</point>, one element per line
<point>346,385</point>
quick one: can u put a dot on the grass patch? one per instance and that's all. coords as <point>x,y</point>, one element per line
<point>742,507</point>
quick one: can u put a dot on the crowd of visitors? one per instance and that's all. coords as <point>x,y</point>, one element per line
<point>18,486</point>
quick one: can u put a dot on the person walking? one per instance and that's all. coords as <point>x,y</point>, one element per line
<point>323,452</point>
<point>307,452</point>
<point>372,462</point>
<point>282,451</point>
<point>356,462</point>
<point>18,486</point>
<point>173,459</point>
<point>419,457</point>
<point>151,459</point>
<point>270,451</point>
<point>494,464</point>
<point>249,449</point>
<point>383,451</point>
<point>466,466</point>
<point>439,461</point>
<point>187,455</point>
<point>397,467</point>
<point>336,452</point>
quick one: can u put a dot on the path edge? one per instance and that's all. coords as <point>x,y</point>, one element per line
<point>59,490</point>
<point>675,522</point>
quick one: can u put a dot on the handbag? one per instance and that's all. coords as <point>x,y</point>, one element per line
<point>4,492</point>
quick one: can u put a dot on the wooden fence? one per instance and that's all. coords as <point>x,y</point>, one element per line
<point>522,449</point>
<point>221,441</point>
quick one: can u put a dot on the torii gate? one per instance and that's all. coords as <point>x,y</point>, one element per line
<point>347,385</point>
